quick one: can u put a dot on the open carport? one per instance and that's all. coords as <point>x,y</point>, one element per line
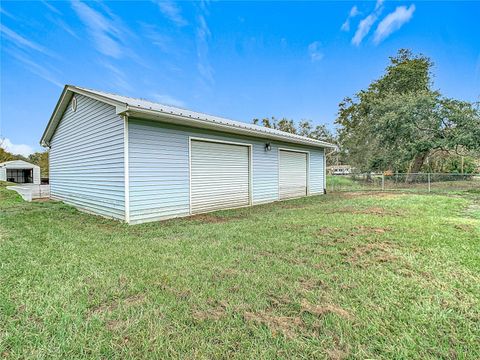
<point>20,172</point>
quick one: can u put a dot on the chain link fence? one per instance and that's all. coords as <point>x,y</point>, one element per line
<point>419,182</point>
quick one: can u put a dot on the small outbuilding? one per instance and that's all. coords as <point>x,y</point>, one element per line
<point>20,172</point>
<point>139,161</point>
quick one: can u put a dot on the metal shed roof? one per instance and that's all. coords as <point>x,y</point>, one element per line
<point>151,110</point>
<point>18,164</point>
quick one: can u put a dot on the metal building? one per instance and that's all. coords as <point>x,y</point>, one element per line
<point>20,172</point>
<point>140,161</point>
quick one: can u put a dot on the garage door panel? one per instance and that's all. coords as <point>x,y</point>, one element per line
<point>219,176</point>
<point>293,174</point>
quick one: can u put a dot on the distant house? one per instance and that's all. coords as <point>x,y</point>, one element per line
<point>140,161</point>
<point>20,172</point>
<point>340,169</point>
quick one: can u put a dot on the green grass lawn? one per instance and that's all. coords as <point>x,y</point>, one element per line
<point>338,276</point>
<point>440,183</point>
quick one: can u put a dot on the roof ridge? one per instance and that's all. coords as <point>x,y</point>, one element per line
<point>134,98</point>
<point>149,105</point>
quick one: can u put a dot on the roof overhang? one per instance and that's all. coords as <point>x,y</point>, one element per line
<point>183,120</point>
<point>62,104</point>
<point>179,117</point>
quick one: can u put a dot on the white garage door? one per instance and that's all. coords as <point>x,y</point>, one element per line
<point>293,174</point>
<point>220,176</point>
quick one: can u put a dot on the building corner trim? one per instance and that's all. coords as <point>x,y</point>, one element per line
<point>126,169</point>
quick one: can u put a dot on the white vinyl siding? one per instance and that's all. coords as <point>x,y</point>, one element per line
<point>293,174</point>
<point>159,168</point>
<point>219,176</point>
<point>87,159</point>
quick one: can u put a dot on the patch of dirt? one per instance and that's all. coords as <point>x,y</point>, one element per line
<point>378,252</point>
<point>311,284</point>
<point>384,195</point>
<point>320,310</point>
<point>294,261</point>
<point>327,231</point>
<point>284,205</point>
<point>277,301</point>
<point>213,219</point>
<point>293,226</point>
<point>134,300</point>
<point>178,293</point>
<point>289,259</point>
<point>234,289</point>
<point>465,227</point>
<point>115,325</point>
<point>217,312</point>
<point>218,276</point>
<point>129,301</point>
<point>348,286</point>
<point>374,210</point>
<point>337,354</point>
<point>365,230</point>
<point>285,325</point>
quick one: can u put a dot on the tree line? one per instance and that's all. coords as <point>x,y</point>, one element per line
<point>400,123</point>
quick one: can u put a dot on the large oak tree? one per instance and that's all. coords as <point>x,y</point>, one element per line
<point>399,120</point>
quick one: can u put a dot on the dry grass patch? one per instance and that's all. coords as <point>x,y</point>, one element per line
<point>288,326</point>
<point>320,310</point>
<point>210,218</point>
<point>309,284</point>
<point>109,307</point>
<point>278,301</point>
<point>465,227</point>
<point>367,254</point>
<point>366,230</point>
<point>370,194</point>
<point>374,210</point>
<point>327,231</point>
<point>337,354</point>
<point>215,313</point>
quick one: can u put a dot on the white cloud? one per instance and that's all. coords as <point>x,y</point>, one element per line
<point>363,29</point>
<point>120,80</point>
<point>366,24</point>
<point>162,41</point>
<point>6,13</point>
<point>105,32</point>
<point>18,149</point>
<point>36,68</point>
<point>66,28</point>
<point>353,13</point>
<point>168,100</point>
<point>202,37</point>
<point>51,7</point>
<point>170,10</point>
<point>21,42</point>
<point>314,51</point>
<point>392,22</point>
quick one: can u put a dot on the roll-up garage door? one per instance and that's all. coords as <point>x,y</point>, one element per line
<point>219,176</point>
<point>293,174</point>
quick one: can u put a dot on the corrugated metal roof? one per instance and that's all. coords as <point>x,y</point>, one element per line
<point>17,164</point>
<point>150,105</point>
<point>142,105</point>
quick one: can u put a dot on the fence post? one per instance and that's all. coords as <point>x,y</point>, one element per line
<point>383,182</point>
<point>428,176</point>
<point>333,180</point>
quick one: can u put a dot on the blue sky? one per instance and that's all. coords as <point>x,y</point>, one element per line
<point>235,59</point>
